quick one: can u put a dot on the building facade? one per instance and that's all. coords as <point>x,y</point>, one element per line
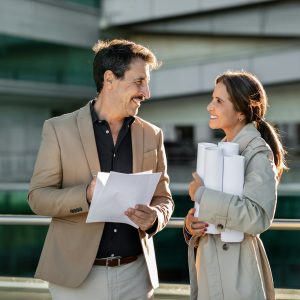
<point>46,66</point>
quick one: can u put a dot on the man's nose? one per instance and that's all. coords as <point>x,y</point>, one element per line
<point>146,91</point>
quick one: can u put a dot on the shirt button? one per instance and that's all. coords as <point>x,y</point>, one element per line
<point>114,155</point>
<point>112,255</point>
<point>107,131</point>
<point>99,121</point>
<point>115,230</point>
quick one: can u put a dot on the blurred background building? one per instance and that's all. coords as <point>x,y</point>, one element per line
<point>46,67</point>
<point>46,70</point>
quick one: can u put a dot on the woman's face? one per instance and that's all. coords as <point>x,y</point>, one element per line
<point>222,113</point>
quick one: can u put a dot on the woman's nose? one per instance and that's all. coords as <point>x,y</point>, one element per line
<point>209,106</point>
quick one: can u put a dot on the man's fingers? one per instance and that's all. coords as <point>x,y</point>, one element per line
<point>142,223</point>
<point>144,212</point>
<point>143,208</point>
<point>142,215</point>
<point>136,219</point>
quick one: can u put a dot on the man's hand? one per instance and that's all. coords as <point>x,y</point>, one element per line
<point>90,190</point>
<point>143,216</point>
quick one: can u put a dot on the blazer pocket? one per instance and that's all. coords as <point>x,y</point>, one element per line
<point>150,160</point>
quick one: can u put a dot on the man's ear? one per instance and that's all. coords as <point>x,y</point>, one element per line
<point>108,78</point>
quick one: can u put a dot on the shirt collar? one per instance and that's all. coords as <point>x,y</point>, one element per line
<point>127,121</point>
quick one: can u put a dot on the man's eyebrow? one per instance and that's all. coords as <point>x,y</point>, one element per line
<point>142,78</point>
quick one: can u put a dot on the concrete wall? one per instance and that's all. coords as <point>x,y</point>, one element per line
<point>120,12</point>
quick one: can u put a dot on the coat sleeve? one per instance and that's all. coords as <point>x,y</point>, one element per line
<point>46,195</point>
<point>251,213</point>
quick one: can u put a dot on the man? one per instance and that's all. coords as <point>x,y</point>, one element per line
<point>101,260</point>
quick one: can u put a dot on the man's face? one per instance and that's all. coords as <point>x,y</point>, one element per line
<point>132,89</point>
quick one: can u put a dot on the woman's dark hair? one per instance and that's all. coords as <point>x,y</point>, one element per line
<point>116,56</point>
<point>249,97</point>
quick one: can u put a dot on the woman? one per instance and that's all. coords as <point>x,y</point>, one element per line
<point>236,271</point>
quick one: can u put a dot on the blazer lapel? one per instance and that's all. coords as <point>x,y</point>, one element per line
<point>86,131</point>
<point>137,137</point>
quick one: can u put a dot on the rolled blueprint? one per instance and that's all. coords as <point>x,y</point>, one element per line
<point>213,169</point>
<point>201,157</point>
<point>213,178</point>
<point>221,169</point>
<point>229,148</point>
<point>233,175</point>
<point>200,166</point>
<point>233,183</point>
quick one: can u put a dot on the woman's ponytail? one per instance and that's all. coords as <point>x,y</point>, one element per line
<point>272,138</point>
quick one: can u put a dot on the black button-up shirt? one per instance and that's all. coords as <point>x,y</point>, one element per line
<point>118,239</point>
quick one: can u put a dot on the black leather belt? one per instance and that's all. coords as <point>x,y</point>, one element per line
<point>114,261</point>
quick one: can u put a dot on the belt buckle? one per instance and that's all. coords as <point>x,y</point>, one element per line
<point>111,258</point>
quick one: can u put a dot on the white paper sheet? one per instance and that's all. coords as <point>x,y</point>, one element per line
<point>116,192</point>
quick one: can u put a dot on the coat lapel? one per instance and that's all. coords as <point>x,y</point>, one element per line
<point>137,137</point>
<point>86,131</point>
<point>245,136</point>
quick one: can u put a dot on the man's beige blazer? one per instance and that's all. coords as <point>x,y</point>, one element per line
<point>66,163</point>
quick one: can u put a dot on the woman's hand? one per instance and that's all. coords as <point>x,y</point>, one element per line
<point>193,225</point>
<point>194,185</point>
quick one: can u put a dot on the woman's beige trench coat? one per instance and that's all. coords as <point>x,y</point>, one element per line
<point>237,271</point>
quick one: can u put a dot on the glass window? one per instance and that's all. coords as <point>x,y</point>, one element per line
<point>23,59</point>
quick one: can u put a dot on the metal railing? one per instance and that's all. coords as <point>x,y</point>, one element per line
<point>278,224</point>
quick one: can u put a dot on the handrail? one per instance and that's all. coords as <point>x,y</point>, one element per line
<point>278,224</point>
<point>284,189</point>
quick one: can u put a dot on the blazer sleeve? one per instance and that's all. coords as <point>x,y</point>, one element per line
<point>251,213</point>
<point>46,195</point>
<point>162,200</point>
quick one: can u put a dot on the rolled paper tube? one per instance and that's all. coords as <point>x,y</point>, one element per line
<point>200,166</point>
<point>233,183</point>
<point>229,148</point>
<point>213,171</point>
<point>201,157</point>
<point>213,168</point>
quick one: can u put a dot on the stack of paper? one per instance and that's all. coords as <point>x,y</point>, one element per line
<point>115,192</point>
<point>222,169</point>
